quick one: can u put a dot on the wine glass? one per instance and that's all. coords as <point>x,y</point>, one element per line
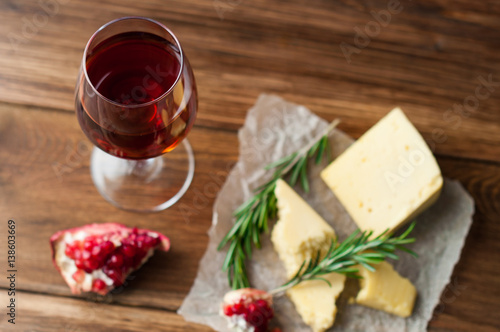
<point>136,100</point>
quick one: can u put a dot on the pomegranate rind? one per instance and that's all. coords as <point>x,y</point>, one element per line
<point>99,230</point>
<point>248,295</point>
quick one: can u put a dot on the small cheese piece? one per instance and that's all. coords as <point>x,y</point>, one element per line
<point>387,177</point>
<point>298,235</point>
<point>386,290</point>
<point>300,231</point>
<point>315,300</point>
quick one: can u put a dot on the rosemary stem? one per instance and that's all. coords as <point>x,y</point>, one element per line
<point>347,255</point>
<point>300,153</point>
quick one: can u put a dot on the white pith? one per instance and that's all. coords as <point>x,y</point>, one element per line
<point>239,324</point>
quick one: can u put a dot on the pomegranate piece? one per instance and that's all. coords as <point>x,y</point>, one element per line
<point>248,310</point>
<point>99,257</point>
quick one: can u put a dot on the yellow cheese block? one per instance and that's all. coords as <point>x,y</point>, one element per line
<point>315,300</point>
<point>386,290</point>
<point>300,231</point>
<point>298,235</point>
<point>387,177</point>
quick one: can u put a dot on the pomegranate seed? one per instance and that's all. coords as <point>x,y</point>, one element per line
<point>256,318</point>
<point>107,247</point>
<point>116,260</point>
<point>128,250</point>
<point>77,254</point>
<point>80,264</point>
<point>92,264</point>
<point>78,276</point>
<point>86,255</point>
<point>228,311</point>
<point>127,263</point>
<point>114,275</point>
<point>135,230</point>
<point>261,303</point>
<point>252,308</point>
<point>238,308</point>
<point>150,241</point>
<point>98,285</point>
<point>88,244</point>
<point>69,251</point>
<point>96,251</point>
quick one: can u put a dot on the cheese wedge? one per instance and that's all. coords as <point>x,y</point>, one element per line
<point>315,300</point>
<point>300,234</point>
<point>300,231</point>
<point>386,290</point>
<point>387,177</point>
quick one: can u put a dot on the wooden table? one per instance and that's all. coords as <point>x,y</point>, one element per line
<point>432,55</point>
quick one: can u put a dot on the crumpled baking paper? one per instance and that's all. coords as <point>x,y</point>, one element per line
<point>275,128</point>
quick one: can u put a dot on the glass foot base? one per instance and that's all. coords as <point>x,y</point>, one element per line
<point>143,185</point>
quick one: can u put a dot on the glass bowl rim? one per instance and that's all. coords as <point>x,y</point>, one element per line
<point>149,103</point>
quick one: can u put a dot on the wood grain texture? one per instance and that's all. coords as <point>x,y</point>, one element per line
<point>426,60</point>
<point>36,142</point>
<point>42,313</point>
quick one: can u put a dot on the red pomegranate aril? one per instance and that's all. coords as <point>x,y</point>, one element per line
<point>98,285</point>
<point>238,308</point>
<point>261,303</point>
<point>86,255</point>
<point>116,260</point>
<point>128,250</point>
<point>107,247</point>
<point>150,241</point>
<point>128,262</point>
<point>69,251</point>
<point>77,254</point>
<point>228,311</point>
<point>92,264</point>
<point>80,264</point>
<point>88,244</point>
<point>253,305</point>
<point>96,251</point>
<point>114,275</point>
<point>264,308</point>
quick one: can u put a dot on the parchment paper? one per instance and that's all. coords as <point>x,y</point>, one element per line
<point>275,128</point>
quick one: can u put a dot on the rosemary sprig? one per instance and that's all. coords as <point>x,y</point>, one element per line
<point>253,215</point>
<point>358,248</point>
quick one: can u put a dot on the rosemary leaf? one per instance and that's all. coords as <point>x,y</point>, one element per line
<point>252,217</point>
<point>344,258</point>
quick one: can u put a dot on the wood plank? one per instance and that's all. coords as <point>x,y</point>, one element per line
<point>46,186</point>
<point>33,141</point>
<point>36,312</point>
<point>474,285</point>
<point>426,60</point>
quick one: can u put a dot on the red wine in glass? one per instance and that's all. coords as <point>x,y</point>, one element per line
<point>129,70</point>
<point>136,100</point>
